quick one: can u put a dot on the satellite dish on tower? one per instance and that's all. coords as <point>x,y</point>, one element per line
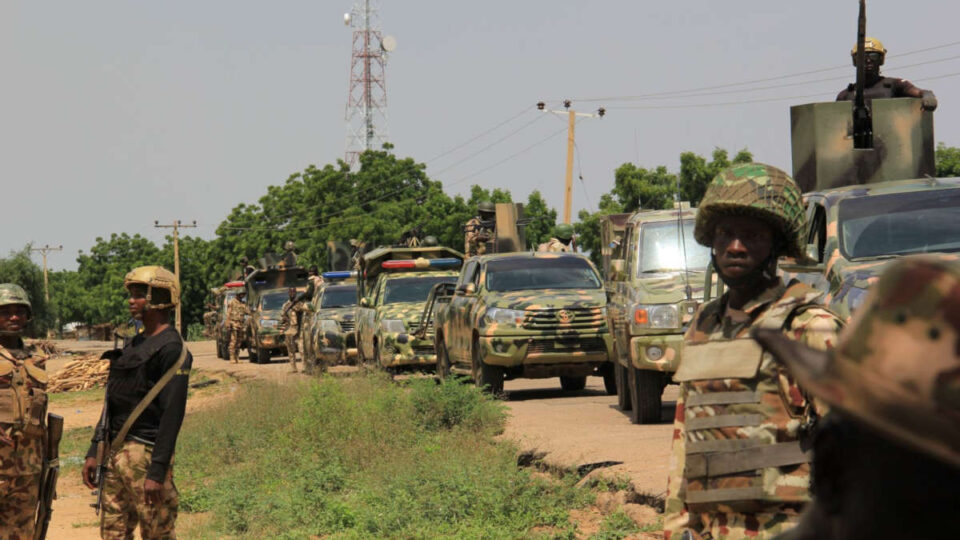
<point>347,18</point>
<point>388,44</point>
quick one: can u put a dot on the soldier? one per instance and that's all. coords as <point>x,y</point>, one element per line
<point>561,241</point>
<point>146,398</point>
<point>876,86</point>
<point>247,267</point>
<point>430,241</point>
<point>478,231</point>
<point>737,470</point>
<point>23,405</point>
<point>886,459</point>
<point>237,310</point>
<point>290,325</point>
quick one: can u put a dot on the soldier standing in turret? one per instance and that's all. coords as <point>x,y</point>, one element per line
<point>876,86</point>
<point>561,241</point>
<point>23,405</point>
<point>477,232</point>
<point>737,469</point>
<point>237,310</point>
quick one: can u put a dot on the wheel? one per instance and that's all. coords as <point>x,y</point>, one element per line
<point>491,377</point>
<point>376,355</point>
<point>443,360</point>
<point>610,380</point>
<point>572,384</point>
<point>646,390</point>
<point>263,356</point>
<point>623,386</point>
<point>219,350</point>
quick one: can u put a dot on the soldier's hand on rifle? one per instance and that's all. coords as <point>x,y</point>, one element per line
<point>152,491</point>
<point>89,471</point>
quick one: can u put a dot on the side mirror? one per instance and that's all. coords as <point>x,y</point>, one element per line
<point>364,302</point>
<point>812,252</point>
<point>467,289</point>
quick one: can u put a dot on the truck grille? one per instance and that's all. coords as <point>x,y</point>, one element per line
<point>412,327</point>
<point>348,326</point>
<point>564,319</point>
<point>567,345</point>
<point>423,350</point>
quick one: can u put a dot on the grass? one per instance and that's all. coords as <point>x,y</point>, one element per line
<point>73,448</point>
<point>616,526</point>
<point>361,457</point>
<point>91,394</point>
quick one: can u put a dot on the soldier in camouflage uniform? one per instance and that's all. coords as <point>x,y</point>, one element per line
<point>886,459</point>
<point>138,487</point>
<point>23,407</point>
<point>876,86</point>
<point>475,234</point>
<point>236,311</point>
<point>290,315</point>
<point>561,241</point>
<point>737,469</point>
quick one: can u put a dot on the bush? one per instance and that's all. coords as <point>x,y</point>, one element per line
<point>362,457</point>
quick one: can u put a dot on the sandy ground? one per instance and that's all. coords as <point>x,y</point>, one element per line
<point>570,428</point>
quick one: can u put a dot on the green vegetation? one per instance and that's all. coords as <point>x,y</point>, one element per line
<point>73,448</point>
<point>616,526</point>
<point>361,457</point>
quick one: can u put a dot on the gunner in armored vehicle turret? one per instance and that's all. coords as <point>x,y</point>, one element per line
<point>876,86</point>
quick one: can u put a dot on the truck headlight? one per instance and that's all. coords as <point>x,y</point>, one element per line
<point>656,316</point>
<point>269,323</point>
<point>329,325</point>
<point>393,325</point>
<point>504,316</point>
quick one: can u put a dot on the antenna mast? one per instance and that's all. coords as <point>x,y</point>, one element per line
<point>366,112</point>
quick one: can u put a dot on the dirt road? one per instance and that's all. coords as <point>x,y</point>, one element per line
<point>571,429</point>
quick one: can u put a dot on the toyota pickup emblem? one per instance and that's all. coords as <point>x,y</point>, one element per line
<point>564,316</point>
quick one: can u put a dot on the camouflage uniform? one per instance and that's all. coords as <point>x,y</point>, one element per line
<point>474,238</point>
<point>236,310</point>
<point>23,384</point>
<point>124,503</point>
<point>554,246</point>
<point>737,469</point>
<point>290,327</point>
<point>23,411</point>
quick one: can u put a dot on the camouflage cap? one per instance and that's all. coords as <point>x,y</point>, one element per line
<point>563,231</point>
<point>429,241</point>
<point>13,294</point>
<point>486,207</point>
<point>897,366</point>
<point>758,190</point>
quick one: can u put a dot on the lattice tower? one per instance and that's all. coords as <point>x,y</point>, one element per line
<point>366,111</point>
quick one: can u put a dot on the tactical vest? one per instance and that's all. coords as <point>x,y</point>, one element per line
<point>742,449</point>
<point>23,410</point>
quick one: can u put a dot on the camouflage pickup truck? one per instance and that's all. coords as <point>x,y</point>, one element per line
<point>267,291</point>
<point>329,331</point>
<point>532,315</point>
<point>655,279</point>
<point>391,295</point>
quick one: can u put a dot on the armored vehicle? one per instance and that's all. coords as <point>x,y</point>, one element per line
<point>655,283</point>
<point>329,333</point>
<point>221,330</point>
<point>391,296</point>
<point>531,315</point>
<point>267,290</point>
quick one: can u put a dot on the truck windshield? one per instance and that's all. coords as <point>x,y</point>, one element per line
<point>900,223</point>
<point>274,301</point>
<point>662,248</point>
<point>414,289</point>
<point>532,273</point>
<point>343,296</point>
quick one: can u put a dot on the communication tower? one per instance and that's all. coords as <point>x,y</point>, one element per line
<point>366,112</point>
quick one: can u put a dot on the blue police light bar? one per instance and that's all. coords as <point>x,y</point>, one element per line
<point>445,263</point>
<point>344,274</point>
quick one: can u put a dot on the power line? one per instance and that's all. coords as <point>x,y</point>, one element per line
<point>489,146</point>
<point>480,135</point>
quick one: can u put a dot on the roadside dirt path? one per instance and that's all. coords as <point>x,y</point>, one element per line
<point>580,428</point>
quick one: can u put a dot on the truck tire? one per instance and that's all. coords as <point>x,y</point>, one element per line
<point>646,390</point>
<point>610,380</point>
<point>491,377</point>
<point>263,356</point>
<point>443,360</point>
<point>623,387</point>
<point>573,384</point>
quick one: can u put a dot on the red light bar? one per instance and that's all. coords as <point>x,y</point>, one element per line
<point>232,284</point>
<point>400,264</point>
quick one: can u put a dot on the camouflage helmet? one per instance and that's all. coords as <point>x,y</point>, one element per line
<point>486,207</point>
<point>563,231</point>
<point>154,277</point>
<point>870,45</point>
<point>13,294</point>
<point>757,190</point>
<point>897,366</point>
<point>429,241</point>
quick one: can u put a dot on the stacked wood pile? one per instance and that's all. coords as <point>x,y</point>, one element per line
<point>46,347</point>
<point>84,373</point>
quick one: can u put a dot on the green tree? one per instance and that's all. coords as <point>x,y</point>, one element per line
<point>588,226</point>
<point>542,219</point>
<point>20,269</point>
<point>636,187</point>
<point>696,172</point>
<point>948,161</point>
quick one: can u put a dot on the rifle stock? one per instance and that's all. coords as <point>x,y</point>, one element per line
<point>49,475</point>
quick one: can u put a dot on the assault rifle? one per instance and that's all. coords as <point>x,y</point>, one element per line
<point>102,437</point>
<point>49,475</point>
<point>862,118</point>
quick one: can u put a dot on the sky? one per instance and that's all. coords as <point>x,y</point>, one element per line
<point>114,114</point>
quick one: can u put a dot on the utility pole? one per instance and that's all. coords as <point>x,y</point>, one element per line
<point>571,147</point>
<point>46,280</point>
<point>176,226</point>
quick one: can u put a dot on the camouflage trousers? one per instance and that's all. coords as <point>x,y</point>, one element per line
<point>18,506</point>
<point>736,526</point>
<point>291,341</point>
<point>124,501</point>
<point>236,336</point>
